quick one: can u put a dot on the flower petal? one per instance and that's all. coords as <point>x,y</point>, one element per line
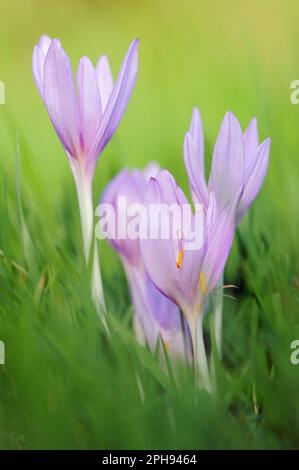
<point>227,175</point>
<point>89,104</point>
<point>157,315</point>
<point>220,238</point>
<point>44,43</point>
<point>178,281</point>
<point>105,80</point>
<point>197,135</point>
<point>118,101</point>
<point>194,159</point>
<point>255,179</point>
<point>198,186</point>
<point>131,186</point>
<point>251,143</point>
<point>38,60</point>
<point>60,98</point>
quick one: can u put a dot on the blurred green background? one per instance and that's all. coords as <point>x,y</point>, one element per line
<point>64,384</point>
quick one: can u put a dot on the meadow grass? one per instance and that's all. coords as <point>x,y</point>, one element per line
<point>65,383</point>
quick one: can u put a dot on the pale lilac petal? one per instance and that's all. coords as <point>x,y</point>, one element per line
<point>198,186</point>
<point>89,104</point>
<point>60,97</point>
<point>165,313</point>
<point>151,171</point>
<point>160,256</point>
<point>227,175</point>
<point>38,60</point>
<point>105,80</point>
<point>251,143</point>
<point>118,101</point>
<point>137,283</point>
<point>130,185</point>
<point>197,135</point>
<point>220,238</point>
<point>254,179</point>
<point>44,43</point>
<point>156,314</point>
<point>194,159</point>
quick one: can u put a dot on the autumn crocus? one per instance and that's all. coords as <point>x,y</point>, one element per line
<point>155,316</point>
<point>186,276</point>
<point>239,165</point>
<point>85,117</point>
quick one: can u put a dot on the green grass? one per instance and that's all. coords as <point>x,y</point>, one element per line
<point>65,384</point>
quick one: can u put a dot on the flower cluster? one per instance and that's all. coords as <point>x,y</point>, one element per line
<point>170,284</point>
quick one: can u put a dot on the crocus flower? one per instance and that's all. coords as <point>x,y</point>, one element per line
<point>239,163</point>
<point>155,316</point>
<point>186,277</point>
<point>84,116</point>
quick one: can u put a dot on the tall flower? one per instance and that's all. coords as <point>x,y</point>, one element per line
<point>84,117</point>
<point>155,315</point>
<point>239,163</point>
<point>186,276</point>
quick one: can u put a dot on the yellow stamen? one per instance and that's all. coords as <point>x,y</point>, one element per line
<point>167,345</point>
<point>180,259</point>
<point>202,283</point>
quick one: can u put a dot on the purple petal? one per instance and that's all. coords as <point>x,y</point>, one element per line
<point>251,143</point>
<point>89,104</point>
<point>164,312</point>
<point>220,238</point>
<point>194,159</point>
<point>130,185</point>
<point>44,43</point>
<point>105,80</point>
<point>160,256</point>
<point>197,135</point>
<point>60,97</point>
<point>38,60</point>
<point>137,283</point>
<point>227,175</point>
<point>198,186</point>
<point>254,179</point>
<point>157,315</point>
<point>118,101</point>
<point>151,171</point>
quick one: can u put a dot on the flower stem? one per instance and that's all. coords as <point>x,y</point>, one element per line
<point>84,193</point>
<point>217,316</point>
<point>201,370</point>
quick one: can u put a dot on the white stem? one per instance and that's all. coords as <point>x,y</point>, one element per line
<point>217,303</point>
<point>201,370</point>
<point>97,287</point>
<point>84,193</point>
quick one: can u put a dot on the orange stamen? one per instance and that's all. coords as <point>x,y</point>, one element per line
<point>180,259</point>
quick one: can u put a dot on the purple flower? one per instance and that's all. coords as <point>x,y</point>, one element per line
<point>85,117</point>
<point>187,276</point>
<point>239,163</point>
<point>155,314</point>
